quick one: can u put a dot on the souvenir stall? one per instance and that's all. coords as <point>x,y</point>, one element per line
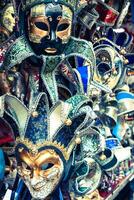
<point>66,99</point>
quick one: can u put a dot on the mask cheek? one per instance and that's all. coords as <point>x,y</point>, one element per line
<point>64,35</point>
<point>36,34</point>
<point>24,173</point>
<point>51,174</point>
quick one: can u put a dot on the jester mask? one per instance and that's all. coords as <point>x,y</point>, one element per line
<point>40,171</point>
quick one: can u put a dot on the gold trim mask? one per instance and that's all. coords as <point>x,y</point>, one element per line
<point>49,26</point>
<point>41,171</point>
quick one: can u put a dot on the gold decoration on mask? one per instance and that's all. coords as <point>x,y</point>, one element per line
<point>30,3</point>
<point>64,34</point>
<point>126,61</point>
<point>67,17</point>
<point>68,122</point>
<point>34,114</point>
<point>78,140</point>
<point>34,147</point>
<point>103,157</point>
<point>123,51</point>
<point>67,13</point>
<point>35,33</point>
<point>20,149</point>
<point>38,10</point>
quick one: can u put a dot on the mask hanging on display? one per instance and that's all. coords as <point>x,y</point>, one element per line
<point>7,27</point>
<point>49,28</point>
<point>41,172</point>
<point>8,19</point>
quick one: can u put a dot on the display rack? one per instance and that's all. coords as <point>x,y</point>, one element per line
<point>115,193</point>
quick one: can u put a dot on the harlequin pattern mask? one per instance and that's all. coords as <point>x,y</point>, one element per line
<point>8,19</point>
<point>41,172</point>
<point>49,28</point>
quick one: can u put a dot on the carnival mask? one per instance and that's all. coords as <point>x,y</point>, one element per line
<point>49,28</point>
<point>41,172</point>
<point>8,19</point>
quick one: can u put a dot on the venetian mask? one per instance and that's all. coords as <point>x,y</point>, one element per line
<point>41,172</point>
<point>8,19</point>
<point>49,28</point>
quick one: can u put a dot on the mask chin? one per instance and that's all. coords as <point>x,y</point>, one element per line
<point>50,49</point>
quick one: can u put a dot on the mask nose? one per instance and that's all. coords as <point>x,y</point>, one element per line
<point>52,35</point>
<point>36,178</point>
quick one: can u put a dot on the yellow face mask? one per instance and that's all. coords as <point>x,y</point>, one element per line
<point>8,19</point>
<point>41,172</point>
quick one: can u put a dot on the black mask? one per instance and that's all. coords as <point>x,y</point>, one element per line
<point>49,28</point>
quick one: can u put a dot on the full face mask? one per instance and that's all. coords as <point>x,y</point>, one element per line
<point>41,171</point>
<point>49,28</point>
<point>8,19</point>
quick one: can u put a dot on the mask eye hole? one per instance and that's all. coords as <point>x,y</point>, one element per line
<point>13,15</point>
<point>47,166</point>
<point>41,26</point>
<point>63,27</point>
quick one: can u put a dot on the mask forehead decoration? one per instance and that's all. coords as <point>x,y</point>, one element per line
<point>39,10</point>
<point>72,4</point>
<point>8,19</point>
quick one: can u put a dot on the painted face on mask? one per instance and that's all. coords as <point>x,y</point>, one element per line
<point>40,172</point>
<point>49,28</point>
